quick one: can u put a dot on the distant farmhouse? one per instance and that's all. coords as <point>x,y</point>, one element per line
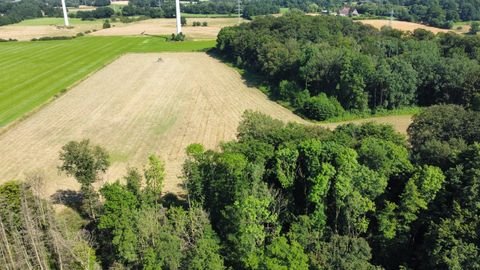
<point>347,11</point>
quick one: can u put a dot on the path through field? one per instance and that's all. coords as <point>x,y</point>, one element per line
<point>140,104</point>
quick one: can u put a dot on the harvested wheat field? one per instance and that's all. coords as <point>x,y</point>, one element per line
<point>404,26</point>
<point>29,32</point>
<point>167,27</point>
<point>47,27</point>
<point>139,105</point>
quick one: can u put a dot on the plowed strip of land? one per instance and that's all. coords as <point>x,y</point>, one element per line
<point>141,104</point>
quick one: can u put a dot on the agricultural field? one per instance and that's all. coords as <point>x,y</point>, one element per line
<point>52,27</point>
<point>167,27</point>
<point>34,72</point>
<point>138,105</point>
<point>404,26</point>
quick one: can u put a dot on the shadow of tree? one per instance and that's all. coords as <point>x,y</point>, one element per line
<point>70,198</point>
<point>171,199</point>
<point>249,78</point>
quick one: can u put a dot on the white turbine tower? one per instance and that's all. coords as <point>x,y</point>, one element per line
<point>65,15</point>
<point>179,21</point>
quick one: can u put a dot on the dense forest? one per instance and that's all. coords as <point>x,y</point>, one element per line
<point>282,196</point>
<point>323,65</point>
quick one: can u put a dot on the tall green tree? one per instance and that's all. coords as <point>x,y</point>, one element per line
<point>85,162</point>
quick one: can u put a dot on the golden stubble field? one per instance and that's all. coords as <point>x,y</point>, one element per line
<point>404,26</point>
<point>168,26</point>
<point>28,32</point>
<point>141,104</point>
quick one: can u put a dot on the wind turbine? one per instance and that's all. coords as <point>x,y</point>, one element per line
<point>65,15</point>
<point>178,15</point>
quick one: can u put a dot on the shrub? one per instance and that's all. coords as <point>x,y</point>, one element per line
<point>7,40</point>
<point>106,24</point>
<point>178,37</point>
<point>205,24</point>
<point>52,38</point>
<point>322,107</point>
<point>183,20</point>
<point>474,28</point>
<point>287,90</point>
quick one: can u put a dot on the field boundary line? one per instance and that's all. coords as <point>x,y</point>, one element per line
<point>58,95</point>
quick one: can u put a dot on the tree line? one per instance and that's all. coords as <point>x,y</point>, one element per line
<point>323,65</point>
<point>281,196</point>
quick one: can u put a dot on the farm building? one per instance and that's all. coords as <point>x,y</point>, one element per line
<point>347,11</point>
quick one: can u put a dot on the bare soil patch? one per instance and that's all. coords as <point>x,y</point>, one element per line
<point>168,26</point>
<point>404,26</point>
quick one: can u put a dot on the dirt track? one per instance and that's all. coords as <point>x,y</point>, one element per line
<point>134,107</point>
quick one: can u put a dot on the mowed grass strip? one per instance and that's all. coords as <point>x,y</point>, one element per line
<point>31,73</point>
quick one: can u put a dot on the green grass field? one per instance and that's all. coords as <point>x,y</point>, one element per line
<point>33,73</point>
<point>191,15</point>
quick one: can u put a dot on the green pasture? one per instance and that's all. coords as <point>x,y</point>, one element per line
<point>32,73</point>
<point>191,15</point>
<point>465,23</point>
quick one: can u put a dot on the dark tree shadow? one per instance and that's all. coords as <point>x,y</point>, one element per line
<point>249,78</point>
<point>68,197</point>
<point>171,199</point>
